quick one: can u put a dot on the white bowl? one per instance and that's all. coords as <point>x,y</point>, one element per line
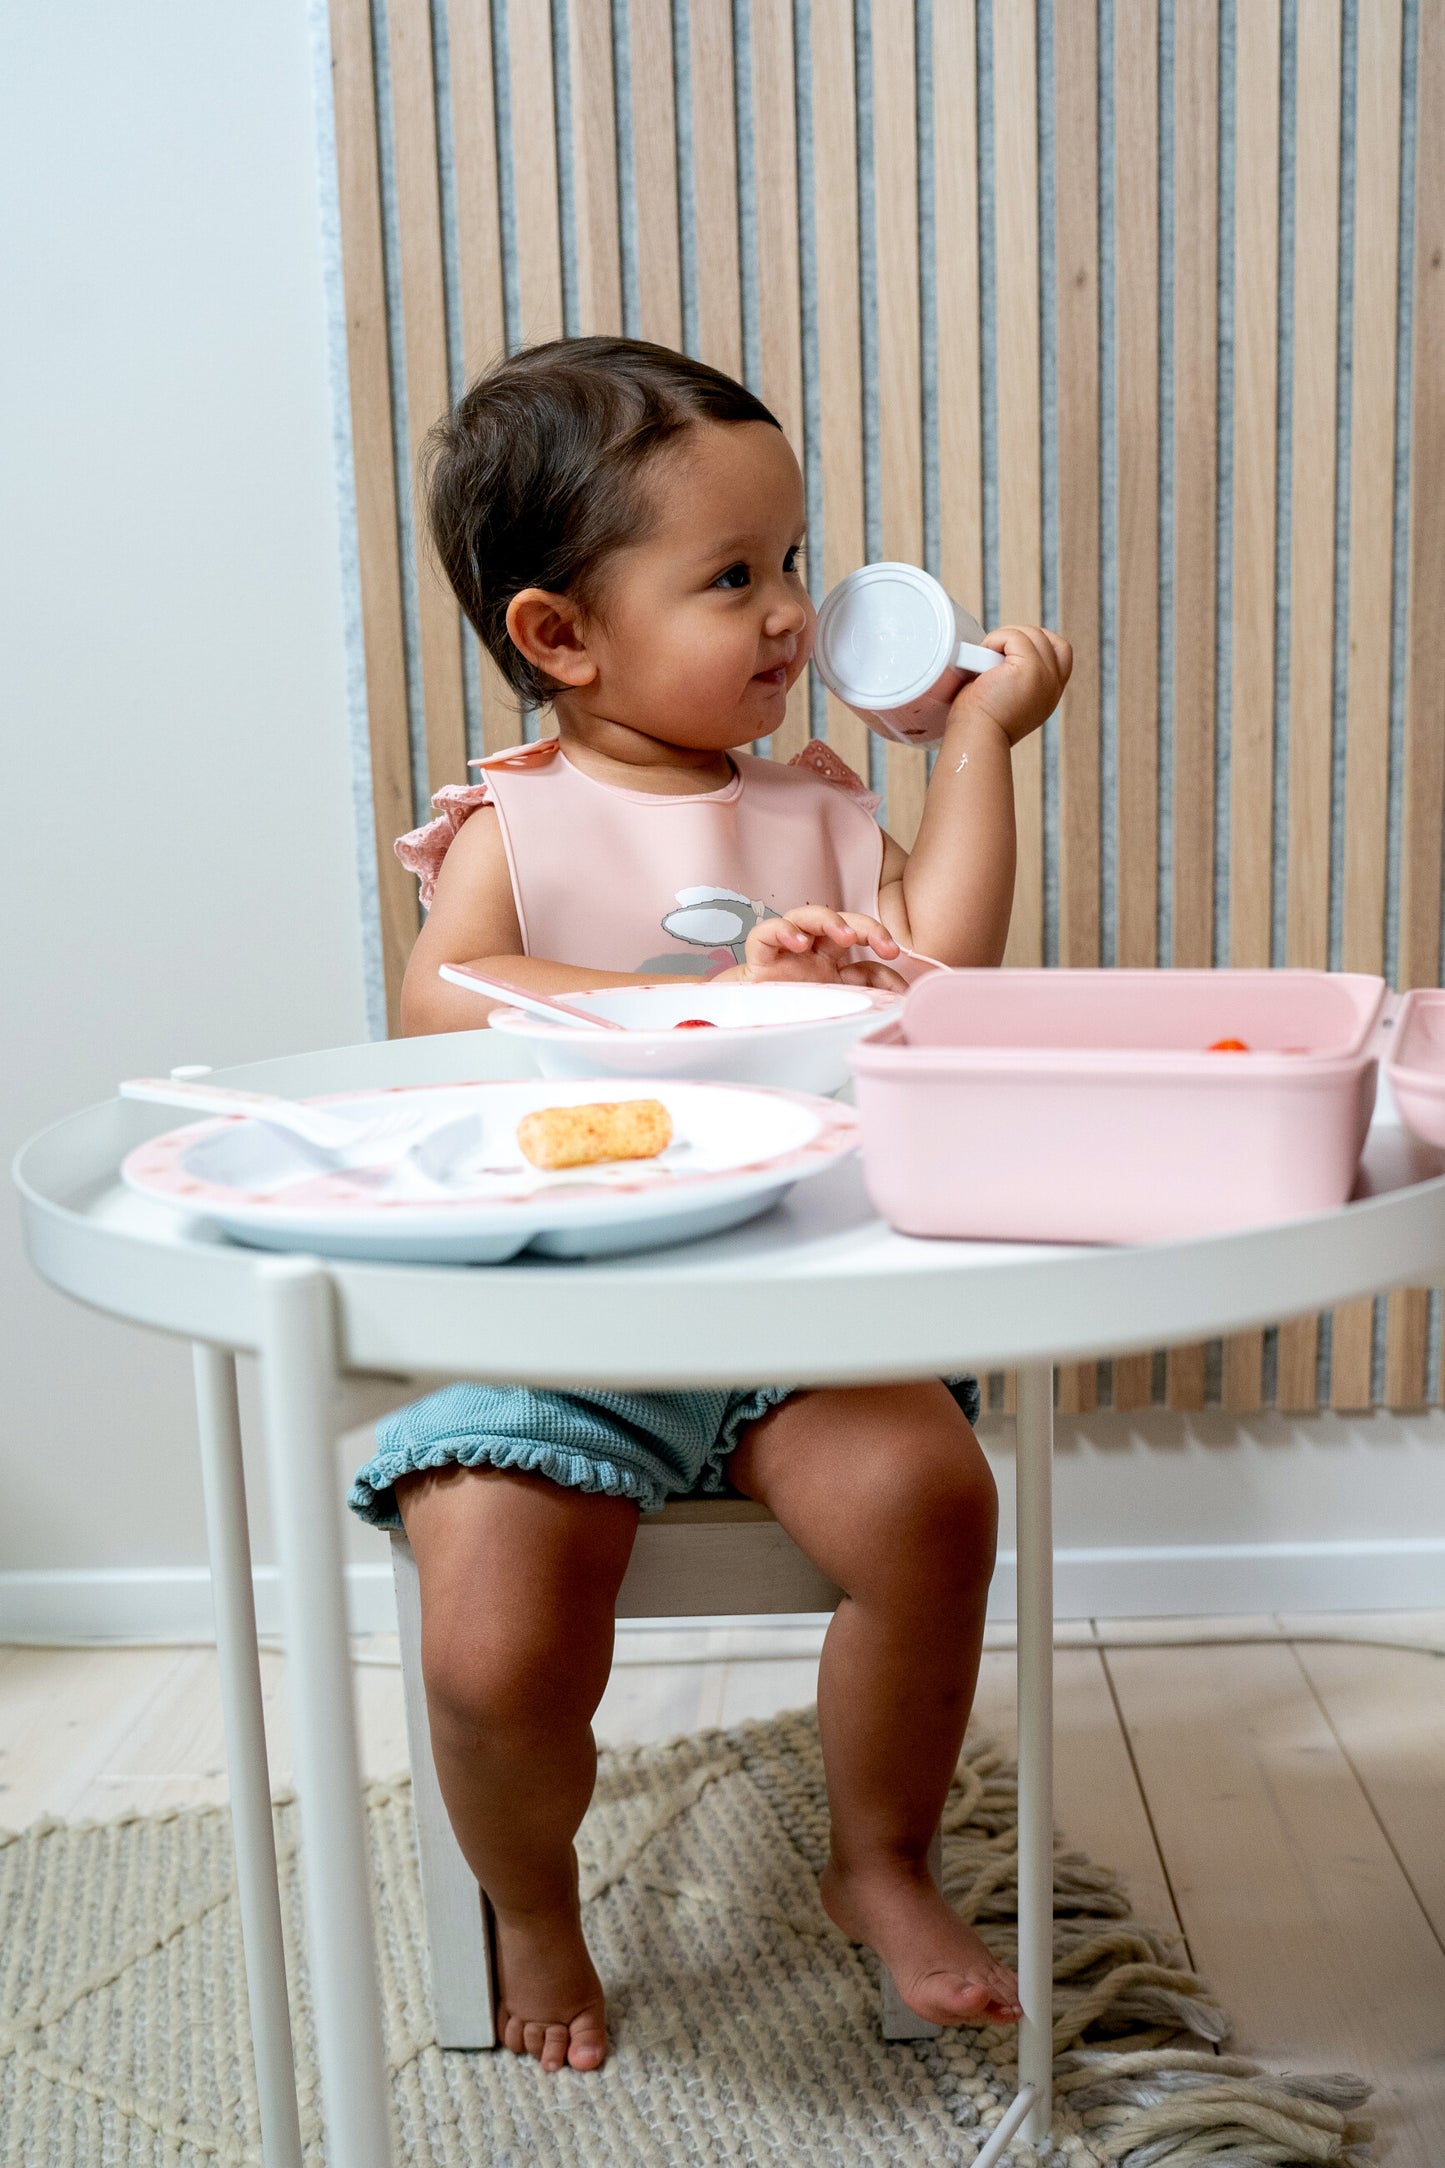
<point>794,1037</point>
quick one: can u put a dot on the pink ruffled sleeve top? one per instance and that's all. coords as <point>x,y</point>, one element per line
<point>625,880</point>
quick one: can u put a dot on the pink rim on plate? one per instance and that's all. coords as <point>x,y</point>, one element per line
<point>158,1168</point>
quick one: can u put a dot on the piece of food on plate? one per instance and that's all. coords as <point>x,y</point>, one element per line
<point>555,1137</point>
<point>696,1023</point>
<point>1229,1046</point>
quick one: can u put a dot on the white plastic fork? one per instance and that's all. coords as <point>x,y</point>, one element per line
<point>329,1135</point>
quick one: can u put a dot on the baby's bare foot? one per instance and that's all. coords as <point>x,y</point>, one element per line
<point>941,1968</point>
<point>550,2003</point>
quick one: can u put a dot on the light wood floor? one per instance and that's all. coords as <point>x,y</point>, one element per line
<point>1284,1803</point>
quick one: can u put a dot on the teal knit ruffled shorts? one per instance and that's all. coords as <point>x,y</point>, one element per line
<point>647,1446</point>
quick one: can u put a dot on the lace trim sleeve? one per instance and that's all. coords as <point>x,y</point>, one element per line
<point>422,850</point>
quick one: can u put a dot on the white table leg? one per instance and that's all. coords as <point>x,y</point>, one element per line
<point>298,1372</point>
<point>253,1833</point>
<point>1035,1458</point>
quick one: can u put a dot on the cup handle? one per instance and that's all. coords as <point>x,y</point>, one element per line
<point>977,659</point>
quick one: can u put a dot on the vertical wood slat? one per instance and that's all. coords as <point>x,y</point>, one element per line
<point>1372,466</point>
<point>1136,346</point>
<point>534,168</point>
<point>378,550</point>
<point>1251,707</point>
<point>418,212</point>
<point>1423,810</point>
<point>954,82</point>
<point>479,257</point>
<point>900,395</point>
<point>654,160</point>
<point>594,168</point>
<point>715,185</point>
<point>479,210</point>
<point>1020,434</point>
<point>1136,336</point>
<point>1312,549</point>
<point>1196,191</point>
<point>1076,230</point>
<point>535,194</point>
<point>840,370</point>
<point>780,321</point>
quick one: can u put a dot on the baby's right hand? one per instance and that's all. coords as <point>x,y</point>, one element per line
<point>813,944</point>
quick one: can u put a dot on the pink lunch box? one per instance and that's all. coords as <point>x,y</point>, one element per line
<point>1085,1106</point>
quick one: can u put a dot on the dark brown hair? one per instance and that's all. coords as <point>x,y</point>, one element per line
<point>537,473</point>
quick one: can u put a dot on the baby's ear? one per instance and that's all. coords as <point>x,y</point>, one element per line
<point>547,629</point>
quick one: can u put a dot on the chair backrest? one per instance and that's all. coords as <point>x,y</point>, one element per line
<point>1126,314</point>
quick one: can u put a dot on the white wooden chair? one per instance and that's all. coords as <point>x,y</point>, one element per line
<point>699,1557</point>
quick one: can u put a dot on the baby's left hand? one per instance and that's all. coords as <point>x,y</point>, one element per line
<point>1028,685</point>
<point>815,943</point>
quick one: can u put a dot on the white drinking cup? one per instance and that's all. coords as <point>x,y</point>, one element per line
<point>897,649</point>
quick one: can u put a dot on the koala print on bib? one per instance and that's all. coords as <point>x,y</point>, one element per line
<point>717,920</point>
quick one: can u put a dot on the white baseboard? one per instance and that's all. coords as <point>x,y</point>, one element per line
<point>163,1604</point>
<point>1147,1581</point>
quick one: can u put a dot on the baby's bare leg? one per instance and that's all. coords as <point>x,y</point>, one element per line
<point>518,1581</point>
<point>885,1488</point>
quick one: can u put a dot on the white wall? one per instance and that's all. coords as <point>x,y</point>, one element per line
<point>179,878</point>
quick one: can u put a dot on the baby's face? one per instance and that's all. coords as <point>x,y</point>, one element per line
<point>705,624</point>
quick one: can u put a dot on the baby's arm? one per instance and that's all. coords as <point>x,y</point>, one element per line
<point>473,920</point>
<point>951,896</point>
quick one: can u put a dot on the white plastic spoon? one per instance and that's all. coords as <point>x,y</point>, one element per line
<point>329,1134</point>
<point>520,997</point>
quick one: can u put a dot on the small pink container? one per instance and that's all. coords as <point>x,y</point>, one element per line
<point>1083,1106</point>
<point>1416,1067</point>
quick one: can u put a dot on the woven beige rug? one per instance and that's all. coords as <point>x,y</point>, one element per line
<point>746,2027</point>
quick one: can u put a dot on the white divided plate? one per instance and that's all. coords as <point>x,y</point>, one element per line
<point>468,1196</point>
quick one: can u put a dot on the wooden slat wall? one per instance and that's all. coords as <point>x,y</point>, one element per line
<point>378,539</point>
<point>840,367</point>
<point>480,302</point>
<point>1251,692</point>
<point>715,185</point>
<point>779,287</point>
<point>418,210</point>
<point>1076,255</point>
<point>1318,87</point>
<point>1372,459</point>
<point>726,205</point>
<point>594,167</point>
<point>1136,573</point>
<point>900,395</point>
<point>1195,453</point>
<point>1423,783</point>
<point>1016,345</point>
<point>654,165</point>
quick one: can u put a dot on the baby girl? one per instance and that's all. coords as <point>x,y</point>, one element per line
<point>623,527</point>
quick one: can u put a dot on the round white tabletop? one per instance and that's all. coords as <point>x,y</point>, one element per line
<point>817,1291</point>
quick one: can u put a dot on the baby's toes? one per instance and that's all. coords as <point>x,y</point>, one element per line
<point>534,2037</point>
<point>588,2044</point>
<point>1003,1992</point>
<point>972,1999</point>
<point>513,2033</point>
<point>554,2048</point>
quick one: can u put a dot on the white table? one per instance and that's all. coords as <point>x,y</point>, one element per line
<point>720,1312</point>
